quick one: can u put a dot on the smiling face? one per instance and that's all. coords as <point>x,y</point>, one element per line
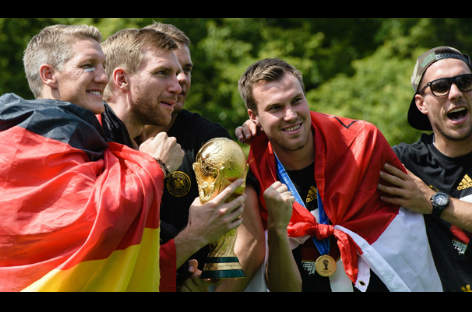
<point>82,79</point>
<point>450,115</point>
<point>154,87</point>
<point>283,113</point>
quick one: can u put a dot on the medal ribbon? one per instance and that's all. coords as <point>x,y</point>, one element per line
<point>321,245</point>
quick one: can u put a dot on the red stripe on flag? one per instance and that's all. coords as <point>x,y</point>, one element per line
<point>60,208</point>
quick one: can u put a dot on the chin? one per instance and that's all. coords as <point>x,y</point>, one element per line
<point>456,136</point>
<point>178,107</point>
<point>98,109</point>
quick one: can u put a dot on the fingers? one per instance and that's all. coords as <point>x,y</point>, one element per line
<point>394,171</point>
<point>232,211</point>
<point>246,131</point>
<point>239,133</point>
<point>393,191</point>
<point>279,190</point>
<point>393,175</point>
<point>193,267</point>
<point>393,200</point>
<point>165,150</point>
<point>227,192</point>
<point>195,284</point>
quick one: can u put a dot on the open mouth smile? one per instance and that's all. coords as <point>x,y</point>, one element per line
<point>457,114</point>
<point>95,92</point>
<point>293,128</point>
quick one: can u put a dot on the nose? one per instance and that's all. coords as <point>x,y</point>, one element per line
<point>290,113</point>
<point>174,86</point>
<point>182,78</point>
<point>454,92</point>
<point>100,75</point>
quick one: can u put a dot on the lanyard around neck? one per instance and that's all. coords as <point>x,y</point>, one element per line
<point>321,245</point>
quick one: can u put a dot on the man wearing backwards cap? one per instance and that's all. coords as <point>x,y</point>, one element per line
<point>439,181</point>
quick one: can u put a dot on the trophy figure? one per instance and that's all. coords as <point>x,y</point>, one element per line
<point>219,162</point>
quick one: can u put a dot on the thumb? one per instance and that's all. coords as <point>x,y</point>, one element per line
<point>193,267</point>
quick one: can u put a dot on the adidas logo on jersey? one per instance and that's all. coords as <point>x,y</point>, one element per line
<point>465,183</point>
<point>311,194</point>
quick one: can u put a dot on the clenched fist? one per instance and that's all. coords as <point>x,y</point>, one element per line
<point>279,202</point>
<point>165,150</point>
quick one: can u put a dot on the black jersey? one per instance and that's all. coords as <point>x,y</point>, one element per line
<point>191,131</point>
<point>451,251</point>
<point>306,253</point>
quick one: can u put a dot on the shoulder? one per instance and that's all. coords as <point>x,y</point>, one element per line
<point>56,120</point>
<point>413,151</point>
<point>342,122</point>
<point>194,124</point>
<point>47,112</point>
<point>343,127</point>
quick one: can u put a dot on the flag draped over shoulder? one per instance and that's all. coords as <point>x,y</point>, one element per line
<point>77,213</point>
<point>349,155</point>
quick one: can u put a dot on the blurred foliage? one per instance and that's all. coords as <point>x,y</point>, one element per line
<point>354,67</point>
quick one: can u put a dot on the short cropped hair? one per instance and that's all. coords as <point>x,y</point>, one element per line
<point>52,46</point>
<point>175,33</point>
<point>269,69</point>
<point>125,48</point>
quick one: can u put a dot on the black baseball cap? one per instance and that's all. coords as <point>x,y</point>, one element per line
<point>416,118</point>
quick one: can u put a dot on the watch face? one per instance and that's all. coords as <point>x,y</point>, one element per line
<point>440,199</point>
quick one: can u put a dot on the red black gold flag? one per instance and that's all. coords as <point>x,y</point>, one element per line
<point>77,213</point>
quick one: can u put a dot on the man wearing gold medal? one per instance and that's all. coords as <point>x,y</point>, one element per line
<point>147,90</point>
<point>313,180</point>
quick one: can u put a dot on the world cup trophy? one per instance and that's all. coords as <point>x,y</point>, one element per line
<point>219,162</point>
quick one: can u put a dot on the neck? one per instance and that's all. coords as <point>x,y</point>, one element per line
<point>50,94</point>
<point>297,159</point>
<point>135,127</point>
<point>151,130</point>
<point>452,148</point>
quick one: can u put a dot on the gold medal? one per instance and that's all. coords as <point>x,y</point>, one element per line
<point>325,265</point>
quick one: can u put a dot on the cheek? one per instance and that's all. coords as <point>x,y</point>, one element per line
<point>268,124</point>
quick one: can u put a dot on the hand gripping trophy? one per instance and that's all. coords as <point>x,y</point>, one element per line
<point>219,162</point>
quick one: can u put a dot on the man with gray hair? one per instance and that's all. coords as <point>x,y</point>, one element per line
<point>439,183</point>
<point>78,211</point>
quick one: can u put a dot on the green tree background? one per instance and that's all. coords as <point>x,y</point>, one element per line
<point>354,67</point>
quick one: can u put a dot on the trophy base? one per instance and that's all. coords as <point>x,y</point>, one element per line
<point>222,267</point>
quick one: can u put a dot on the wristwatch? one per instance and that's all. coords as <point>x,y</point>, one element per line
<point>439,201</point>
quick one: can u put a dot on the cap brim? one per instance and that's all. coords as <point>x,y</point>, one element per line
<point>416,118</point>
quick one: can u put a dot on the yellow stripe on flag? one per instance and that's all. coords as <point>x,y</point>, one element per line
<point>135,268</point>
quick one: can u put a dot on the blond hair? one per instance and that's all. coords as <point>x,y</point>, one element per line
<point>178,35</point>
<point>269,69</point>
<point>125,47</point>
<point>52,45</point>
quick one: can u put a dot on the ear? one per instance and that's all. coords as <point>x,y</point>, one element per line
<point>47,75</point>
<point>120,79</point>
<point>253,116</point>
<point>420,104</point>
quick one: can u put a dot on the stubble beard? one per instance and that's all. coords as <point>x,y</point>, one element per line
<point>456,138</point>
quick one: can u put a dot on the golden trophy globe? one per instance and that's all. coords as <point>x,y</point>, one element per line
<point>219,162</point>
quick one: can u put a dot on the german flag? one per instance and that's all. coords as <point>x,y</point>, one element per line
<point>370,233</point>
<point>77,213</point>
